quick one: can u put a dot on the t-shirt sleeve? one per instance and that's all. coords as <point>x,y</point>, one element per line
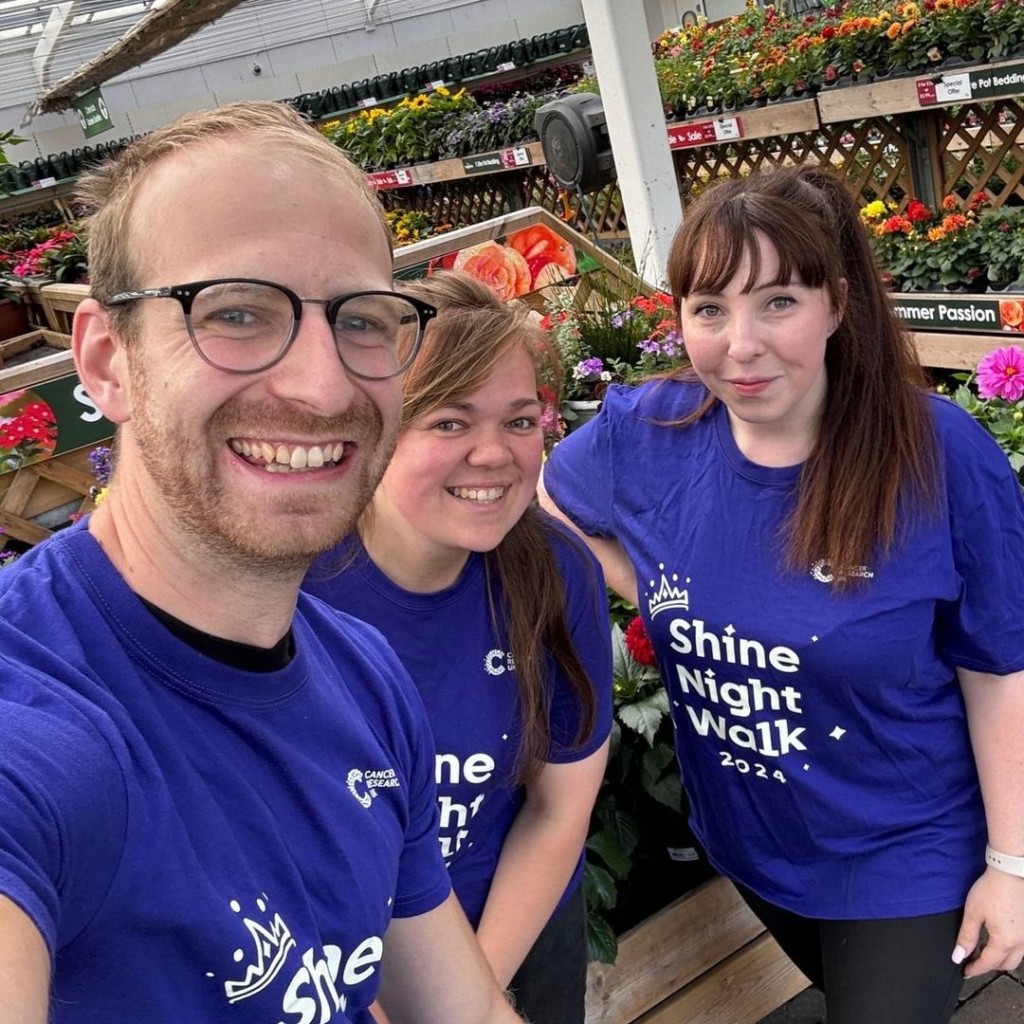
<point>981,629</point>
<point>589,626</point>
<point>61,794</point>
<point>580,472</point>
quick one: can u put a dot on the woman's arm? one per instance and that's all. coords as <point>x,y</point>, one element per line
<point>434,973</point>
<point>24,968</point>
<point>995,716</point>
<point>619,573</point>
<point>537,859</point>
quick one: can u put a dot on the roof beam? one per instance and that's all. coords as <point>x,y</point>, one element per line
<point>157,31</point>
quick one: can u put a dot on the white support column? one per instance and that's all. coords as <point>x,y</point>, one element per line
<point>636,129</point>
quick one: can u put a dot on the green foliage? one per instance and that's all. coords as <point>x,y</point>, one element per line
<point>7,138</point>
<point>642,774</point>
<point>1003,420</point>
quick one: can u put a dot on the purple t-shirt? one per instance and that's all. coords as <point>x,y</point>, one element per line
<point>196,842</point>
<point>822,736</point>
<point>466,676</point>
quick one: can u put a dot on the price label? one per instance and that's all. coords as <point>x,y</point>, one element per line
<point>519,156</point>
<point>368,102</point>
<point>436,85</point>
<point>391,179</point>
<point>509,65</point>
<point>701,133</point>
<point>947,89</point>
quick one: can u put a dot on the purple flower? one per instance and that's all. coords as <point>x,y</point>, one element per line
<point>588,368</point>
<point>620,318</point>
<point>1001,374</point>
<point>100,460</point>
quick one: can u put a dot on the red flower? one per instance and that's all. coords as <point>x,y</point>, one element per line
<point>638,643</point>
<point>917,211</point>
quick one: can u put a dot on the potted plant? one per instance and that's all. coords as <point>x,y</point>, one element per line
<point>993,393</point>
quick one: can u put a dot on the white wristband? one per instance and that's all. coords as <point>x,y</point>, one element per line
<point>1004,862</point>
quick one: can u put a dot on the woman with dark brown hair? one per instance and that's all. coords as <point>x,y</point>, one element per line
<point>500,615</point>
<point>830,563</point>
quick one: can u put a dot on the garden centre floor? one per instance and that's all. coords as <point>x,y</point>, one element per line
<point>991,999</point>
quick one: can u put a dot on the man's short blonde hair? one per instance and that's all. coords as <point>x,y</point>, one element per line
<point>108,193</point>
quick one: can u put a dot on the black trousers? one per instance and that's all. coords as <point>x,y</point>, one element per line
<point>551,985</point>
<point>889,971</point>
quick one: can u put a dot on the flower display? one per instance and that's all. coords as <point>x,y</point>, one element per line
<point>612,338</point>
<point>60,256</point>
<point>28,430</point>
<point>408,226</point>
<point>764,53</point>
<point>994,395</point>
<point>1001,374</point>
<point>961,245</point>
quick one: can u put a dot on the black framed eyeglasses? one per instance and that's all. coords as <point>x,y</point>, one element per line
<point>244,325</point>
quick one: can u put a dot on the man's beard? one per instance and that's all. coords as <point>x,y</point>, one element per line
<point>284,536</point>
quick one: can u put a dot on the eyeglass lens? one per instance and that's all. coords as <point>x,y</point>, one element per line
<point>244,326</point>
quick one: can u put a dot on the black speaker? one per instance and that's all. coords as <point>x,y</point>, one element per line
<point>574,137</point>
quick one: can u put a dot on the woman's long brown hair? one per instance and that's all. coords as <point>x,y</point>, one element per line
<point>472,332</point>
<point>874,464</point>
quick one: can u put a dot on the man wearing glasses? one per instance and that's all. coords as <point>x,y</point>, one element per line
<point>216,794</point>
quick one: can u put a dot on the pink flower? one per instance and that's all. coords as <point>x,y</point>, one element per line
<point>1001,374</point>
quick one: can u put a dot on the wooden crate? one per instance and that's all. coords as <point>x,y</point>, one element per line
<point>704,959</point>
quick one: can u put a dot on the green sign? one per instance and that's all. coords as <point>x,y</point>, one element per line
<point>92,113</point>
<point>965,86</point>
<point>48,419</point>
<point>482,162</point>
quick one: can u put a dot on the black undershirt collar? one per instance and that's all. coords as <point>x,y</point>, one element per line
<point>247,657</point>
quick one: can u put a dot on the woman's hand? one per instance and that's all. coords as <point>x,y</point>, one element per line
<point>995,903</point>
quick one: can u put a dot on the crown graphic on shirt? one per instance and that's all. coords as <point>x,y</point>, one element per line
<point>272,942</point>
<point>668,595</point>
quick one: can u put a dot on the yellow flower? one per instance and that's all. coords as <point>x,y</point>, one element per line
<point>442,90</point>
<point>873,210</point>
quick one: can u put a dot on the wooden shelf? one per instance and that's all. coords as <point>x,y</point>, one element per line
<point>900,95</point>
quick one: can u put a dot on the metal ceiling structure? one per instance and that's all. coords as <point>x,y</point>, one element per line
<point>157,31</point>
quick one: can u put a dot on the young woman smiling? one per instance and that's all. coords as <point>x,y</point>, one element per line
<point>500,615</point>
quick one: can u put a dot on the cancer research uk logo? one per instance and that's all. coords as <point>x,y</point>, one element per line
<point>364,784</point>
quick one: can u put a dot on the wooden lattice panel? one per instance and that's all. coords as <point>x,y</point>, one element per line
<point>872,154</point>
<point>981,147</point>
<point>461,202</point>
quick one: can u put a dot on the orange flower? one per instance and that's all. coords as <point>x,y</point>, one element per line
<point>908,25</point>
<point>949,203</point>
<point>498,266</point>
<point>894,29</point>
<point>936,234</point>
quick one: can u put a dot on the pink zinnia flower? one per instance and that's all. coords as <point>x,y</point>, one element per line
<point>1001,374</point>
